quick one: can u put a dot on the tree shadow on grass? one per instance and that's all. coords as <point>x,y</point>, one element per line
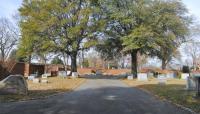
<point>32,95</point>
<point>111,77</point>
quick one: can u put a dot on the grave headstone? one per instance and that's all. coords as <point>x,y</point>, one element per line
<point>170,75</point>
<point>191,83</point>
<point>98,72</point>
<point>32,76</point>
<point>162,79</point>
<point>13,84</point>
<point>36,80</point>
<point>142,77</point>
<point>44,81</point>
<point>150,74</point>
<point>62,74</point>
<point>44,76</point>
<point>184,76</point>
<point>74,74</point>
<point>130,77</point>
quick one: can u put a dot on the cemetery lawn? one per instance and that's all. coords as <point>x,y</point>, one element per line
<point>55,86</point>
<point>174,91</point>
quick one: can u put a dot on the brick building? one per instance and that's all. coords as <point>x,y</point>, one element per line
<point>26,69</point>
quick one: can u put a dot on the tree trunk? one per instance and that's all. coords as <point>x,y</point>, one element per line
<point>73,62</point>
<point>134,63</point>
<point>123,61</point>
<point>164,64</point>
<point>65,62</point>
<point>45,67</point>
<point>83,60</point>
<point>29,59</point>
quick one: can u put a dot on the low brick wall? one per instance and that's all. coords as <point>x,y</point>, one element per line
<point>83,71</point>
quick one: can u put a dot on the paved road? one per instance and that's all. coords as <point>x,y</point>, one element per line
<point>96,96</point>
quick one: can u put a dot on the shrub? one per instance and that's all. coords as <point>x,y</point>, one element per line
<point>93,71</point>
<point>186,69</point>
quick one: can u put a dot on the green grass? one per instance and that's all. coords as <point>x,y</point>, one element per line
<point>175,93</point>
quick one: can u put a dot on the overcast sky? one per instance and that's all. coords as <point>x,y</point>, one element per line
<point>9,7</point>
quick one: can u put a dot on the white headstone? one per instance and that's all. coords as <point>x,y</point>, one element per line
<point>48,74</point>
<point>98,72</point>
<point>130,77</point>
<point>170,75</point>
<point>44,81</point>
<point>74,74</point>
<point>44,76</point>
<point>142,77</point>
<point>31,77</point>
<point>191,83</point>
<point>162,79</point>
<point>184,76</point>
<point>62,74</point>
<point>36,80</point>
<point>149,74</point>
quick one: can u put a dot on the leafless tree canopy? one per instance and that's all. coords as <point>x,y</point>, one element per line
<point>192,49</point>
<point>8,38</point>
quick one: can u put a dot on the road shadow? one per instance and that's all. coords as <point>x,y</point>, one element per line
<point>101,76</point>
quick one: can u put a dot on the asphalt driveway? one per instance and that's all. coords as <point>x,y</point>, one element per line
<point>96,96</point>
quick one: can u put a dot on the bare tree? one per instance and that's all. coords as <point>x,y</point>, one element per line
<point>192,45</point>
<point>192,49</point>
<point>8,38</point>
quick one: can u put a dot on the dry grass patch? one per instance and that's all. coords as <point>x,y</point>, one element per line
<point>174,91</point>
<point>42,90</point>
<point>135,83</point>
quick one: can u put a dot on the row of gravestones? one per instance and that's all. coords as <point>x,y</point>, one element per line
<point>16,84</point>
<point>144,76</point>
<point>44,78</point>
<point>64,74</point>
<point>162,79</point>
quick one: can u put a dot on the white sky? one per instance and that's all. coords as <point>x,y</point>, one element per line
<point>9,7</point>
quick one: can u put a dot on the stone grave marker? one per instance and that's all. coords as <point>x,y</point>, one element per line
<point>170,75</point>
<point>150,74</point>
<point>184,76</point>
<point>130,77</point>
<point>13,84</point>
<point>162,79</point>
<point>191,84</point>
<point>62,74</point>
<point>36,80</point>
<point>32,76</point>
<point>74,74</point>
<point>98,72</point>
<point>44,81</point>
<point>142,77</point>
